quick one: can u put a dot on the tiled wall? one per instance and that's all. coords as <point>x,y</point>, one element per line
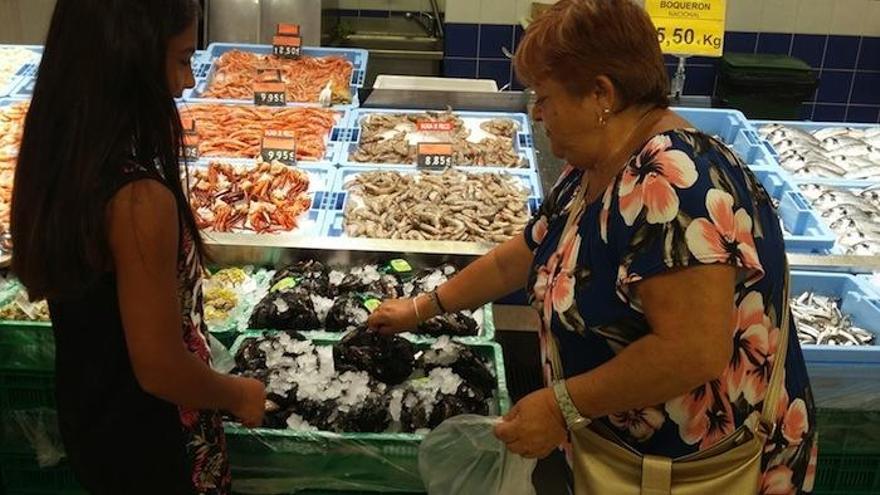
<point>839,38</point>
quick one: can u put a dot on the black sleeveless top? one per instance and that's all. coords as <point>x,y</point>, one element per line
<point>118,438</point>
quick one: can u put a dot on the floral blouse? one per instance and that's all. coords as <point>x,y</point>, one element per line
<point>684,200</point>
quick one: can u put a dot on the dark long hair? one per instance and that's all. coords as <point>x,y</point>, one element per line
<point>101,103</point>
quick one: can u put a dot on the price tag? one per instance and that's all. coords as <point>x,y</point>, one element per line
<point>400,266</point>
<point>283,285</point>
<point>372,304</point>
<point>435,155</point>
<point>269,88</point>
<point>190,139</point>
<point>279,146</point>
<point>287,42</point>
<point>434,126</point>
<point>689,27</point>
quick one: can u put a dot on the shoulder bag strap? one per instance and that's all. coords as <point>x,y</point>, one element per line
<point>776,385</point>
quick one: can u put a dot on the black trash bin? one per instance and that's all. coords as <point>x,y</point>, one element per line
<point>765,86</point>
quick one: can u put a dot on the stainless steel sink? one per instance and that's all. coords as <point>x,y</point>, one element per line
<point>404,44</point>
<point>387,43</point>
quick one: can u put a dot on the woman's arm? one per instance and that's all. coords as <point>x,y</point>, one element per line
<point>690,313</point>
<point>143,236</point>
<point>494,275</point>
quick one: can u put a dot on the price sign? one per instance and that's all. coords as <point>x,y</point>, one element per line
<point>689,27</point>
<point>269,88</point>
<point>190,139</point>
<point>434,126</point>
<point>287,42</point>
<point>435,155</point>
<point>278,146</point>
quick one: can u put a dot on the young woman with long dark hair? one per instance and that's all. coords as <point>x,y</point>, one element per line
<point>102,229</point>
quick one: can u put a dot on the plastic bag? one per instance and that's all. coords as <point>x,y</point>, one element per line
<point>221,359</point>
<point>462,455</point>
<point>35,431</point>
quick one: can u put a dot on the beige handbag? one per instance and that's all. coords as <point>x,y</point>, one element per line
<point>605,465</point>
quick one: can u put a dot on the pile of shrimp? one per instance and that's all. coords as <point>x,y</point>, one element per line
<point>12,59</point>
<point>305,77</point>
<point>265,198</point>
<point>11,129</point>
<point>236,131</point>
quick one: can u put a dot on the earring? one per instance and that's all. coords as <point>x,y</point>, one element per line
<point>603,118</point>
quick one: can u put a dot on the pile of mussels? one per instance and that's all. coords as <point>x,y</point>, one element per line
<point>365,383</point>
<point>309,296</point>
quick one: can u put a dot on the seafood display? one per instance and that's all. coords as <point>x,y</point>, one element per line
<point>831,152</point>
<point>11,129</point>
<point>236,131</point>
<point>18,306</point>
<point>11,60</point>
<point>235,72</point>
<point>451,206</point>
<point>265,198</point>
<point>232,293</point>
<point>852,214</point>
<point>365,383</point>
<point>394,138</point>
<point>310,296</point>
<point>821,322</point>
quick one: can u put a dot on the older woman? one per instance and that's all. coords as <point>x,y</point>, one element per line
<point>657,262</point>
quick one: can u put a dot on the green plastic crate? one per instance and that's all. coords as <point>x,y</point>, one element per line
<point>22,476</point>
<point>848,432</point>
<point>847,474</point>
<point>284,461</point>
<point>26,346</point>
<point>26,390</point>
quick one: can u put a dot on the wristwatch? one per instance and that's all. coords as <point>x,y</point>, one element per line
<point>573,417</point>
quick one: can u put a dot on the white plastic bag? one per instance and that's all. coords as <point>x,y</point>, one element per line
<point>221,359</point>
<point>462,455</point>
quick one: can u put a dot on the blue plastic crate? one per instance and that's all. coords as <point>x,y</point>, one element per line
<point>734,129</point>
<point>204,72</point>
<point>321,179</point>
<point>810,127</point>
<point>857,299</point>
<point>804,229</point>
<point>332,140</point>
<point>25,73</point>
<point>334,204</point>
<point>873,281</point>
<point>524,144</point>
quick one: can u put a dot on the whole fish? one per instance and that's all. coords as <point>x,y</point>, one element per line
<point>872,172</point>
<point>831,132</point>
<point>835,152</point>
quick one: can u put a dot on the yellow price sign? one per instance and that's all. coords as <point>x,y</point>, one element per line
<point>689,27</point>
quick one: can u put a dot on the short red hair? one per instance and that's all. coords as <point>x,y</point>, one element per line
<point>574,41</point>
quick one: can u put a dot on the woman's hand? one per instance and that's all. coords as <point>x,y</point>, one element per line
<point>394,316</point>
<point>251,404</point>
<point>534,427</point>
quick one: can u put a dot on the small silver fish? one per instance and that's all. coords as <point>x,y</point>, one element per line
<point>831,132</point>
<point>872,172</point>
